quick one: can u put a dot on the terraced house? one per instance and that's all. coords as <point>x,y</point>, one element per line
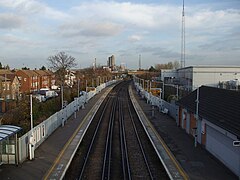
<point>34,80</point>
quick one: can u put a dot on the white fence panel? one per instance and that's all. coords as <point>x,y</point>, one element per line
<point>157,101</point>
<point>47,127</point>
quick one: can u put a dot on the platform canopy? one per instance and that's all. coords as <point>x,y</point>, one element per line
<point>8,130</point>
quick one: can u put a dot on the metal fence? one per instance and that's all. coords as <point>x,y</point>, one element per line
<point>163,106</point>
<point>47,127</point>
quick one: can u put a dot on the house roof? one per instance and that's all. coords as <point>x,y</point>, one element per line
<point>29,73</point>
<point>219,106</point>
<point>41,72</point>
<point>48,72</point>
<point>5,71</point>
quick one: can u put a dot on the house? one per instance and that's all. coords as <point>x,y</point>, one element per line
<point>193,77</point>
<point>51,78</point>
<point>44,78</point>
<point>70,77</point>
<point>29,81</point>
<point>5,92</point>
<point>212,115</point>
<point>9,85</point>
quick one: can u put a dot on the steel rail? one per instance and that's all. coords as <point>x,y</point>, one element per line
<point>93,139</point>
<point>139,140</point>
<point>123,142</point>
<point>106,169</point>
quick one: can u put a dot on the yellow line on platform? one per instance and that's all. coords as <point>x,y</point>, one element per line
<point>70,140</point>
<point>66,146</point>
<point>178,166</point>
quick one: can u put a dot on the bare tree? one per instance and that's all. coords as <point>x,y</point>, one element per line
<point>60,63</point>
<point>169,65</point>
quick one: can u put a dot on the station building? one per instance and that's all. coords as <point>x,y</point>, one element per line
<point>193,77</point>
<point>212,116</point>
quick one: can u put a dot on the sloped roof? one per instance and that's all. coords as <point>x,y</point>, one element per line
<point>41,72</point>
<point>29,73</point>
<point>5,71</point>
<point>48,72</point>
<point>219,106</point>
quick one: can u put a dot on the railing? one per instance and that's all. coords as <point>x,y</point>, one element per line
<point>47,127</point>
<point>157,101</point>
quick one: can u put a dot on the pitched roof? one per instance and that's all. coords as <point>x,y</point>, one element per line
<point>48,72</point>
<point>29,73</point>
<point>5,71</point>
<point>41,72</point>
<point>219,106</point>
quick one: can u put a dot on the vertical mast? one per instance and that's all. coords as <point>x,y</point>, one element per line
<point>183,39</point>
<point>139,62</point>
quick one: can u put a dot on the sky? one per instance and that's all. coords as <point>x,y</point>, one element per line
<point>33,30</point>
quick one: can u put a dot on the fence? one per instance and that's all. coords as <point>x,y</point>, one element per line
<point>162,105</point>
<point>47,127</point>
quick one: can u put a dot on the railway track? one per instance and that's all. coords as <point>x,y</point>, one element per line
<point>116,145</point>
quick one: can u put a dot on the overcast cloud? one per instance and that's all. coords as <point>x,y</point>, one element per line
<point>32,30</point>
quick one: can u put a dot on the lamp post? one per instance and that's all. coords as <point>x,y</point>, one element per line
<point>32,141</point>
<point>62,96</point>
<point>78,87</point>
<point>197,117</point>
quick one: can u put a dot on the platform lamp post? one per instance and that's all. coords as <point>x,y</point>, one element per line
<point>197,117</point>
<point>62,96</point>
<point>32,140</point>
<point>78,87</point>
<point>78,92</point>
<point>147,85</point>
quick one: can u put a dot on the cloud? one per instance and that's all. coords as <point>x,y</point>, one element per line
<point>90,29</point>
<point>126,29</point>
<point>10,21</point>
<point>134,38</point>
<point>131,15</point>
<point>33,7</point>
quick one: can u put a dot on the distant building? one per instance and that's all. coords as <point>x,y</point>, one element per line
<point>195,76</point>
<point>217,125</point>
<point>111,62</point>
<point>70,78</point>
<point>122,67</point>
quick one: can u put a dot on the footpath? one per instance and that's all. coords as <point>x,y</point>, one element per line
<point>46,153</point>
<point>197,162</point>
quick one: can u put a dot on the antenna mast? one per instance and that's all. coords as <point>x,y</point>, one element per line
<point>183,39</point>
<point>139,62</point>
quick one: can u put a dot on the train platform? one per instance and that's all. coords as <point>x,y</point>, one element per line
<point>197,162</point>
<point>48,162</point>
